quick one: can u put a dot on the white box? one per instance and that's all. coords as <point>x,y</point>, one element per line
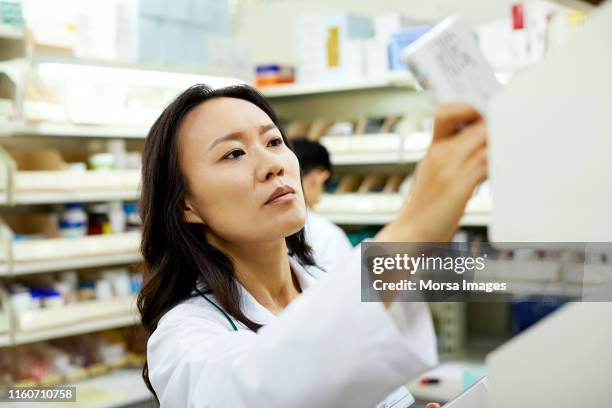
<point>324,47</point>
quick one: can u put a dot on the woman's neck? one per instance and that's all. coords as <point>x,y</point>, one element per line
<point>263,269</point>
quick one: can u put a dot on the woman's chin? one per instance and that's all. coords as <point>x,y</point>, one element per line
<point>291,225</point>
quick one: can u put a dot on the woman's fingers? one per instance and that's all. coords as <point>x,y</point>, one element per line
<point>445,179</point>
<point>451,117</point>
<point>470,139</point>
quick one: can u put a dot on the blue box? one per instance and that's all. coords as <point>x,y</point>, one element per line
<point>197,49</point>
<point>399,41</point>
<point>201,14</point>
<point>179,10</point>
<point>152,8</point>
<point>174,43</point>
<point>149,39</point>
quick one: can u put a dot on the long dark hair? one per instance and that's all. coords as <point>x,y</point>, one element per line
<point>176,253</point>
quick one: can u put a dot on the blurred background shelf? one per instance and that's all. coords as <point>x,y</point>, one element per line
<point>57,197</point>
<point>368,158</point>
<point>80,328</point>
<point>468,220</point>
<point>65,186</point>
<point>400,80</point>
<point>376,148</point>
<point>5,339</point>
<point>73,319</point>
<point>33,251</point>
<point>71,130</point>
<point>118,389</point>
<point>11,32</point>
<point>73,263</point>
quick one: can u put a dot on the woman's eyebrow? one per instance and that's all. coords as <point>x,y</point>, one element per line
<point>239,135</point>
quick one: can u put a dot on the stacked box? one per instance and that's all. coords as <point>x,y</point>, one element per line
<point>331,46</point>
<point>177,31</point>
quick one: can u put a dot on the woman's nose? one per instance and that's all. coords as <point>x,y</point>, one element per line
<point>270,167</point>
<point>276,170</point>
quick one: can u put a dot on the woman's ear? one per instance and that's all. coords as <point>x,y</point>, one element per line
<point>324,175</point>
<point>190,215</point>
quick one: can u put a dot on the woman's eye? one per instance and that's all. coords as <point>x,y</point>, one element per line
<point>234,154</point>
<point>277,141</point>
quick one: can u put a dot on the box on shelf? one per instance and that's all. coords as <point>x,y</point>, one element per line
<point>185,32</point>
<point>152,8</point>
<point>398,43</point>
<point>330,46</point>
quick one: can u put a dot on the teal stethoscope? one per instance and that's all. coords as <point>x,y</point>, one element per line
<point>229,319</point>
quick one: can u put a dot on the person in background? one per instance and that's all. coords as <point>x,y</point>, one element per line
<point>328,241</point>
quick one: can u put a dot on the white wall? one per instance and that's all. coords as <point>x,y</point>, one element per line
<point>268,25</point>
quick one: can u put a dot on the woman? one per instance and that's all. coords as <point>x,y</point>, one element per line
<point>223,214</point>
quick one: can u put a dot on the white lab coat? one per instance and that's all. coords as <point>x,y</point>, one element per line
<point>325,349</point>
<point>329,242</point>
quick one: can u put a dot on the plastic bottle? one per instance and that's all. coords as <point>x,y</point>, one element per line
<point>117,217</point>
<point>73,221</point>
<point>133,221</point>
<point>99,220</point>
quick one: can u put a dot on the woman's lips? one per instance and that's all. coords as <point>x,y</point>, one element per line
<point>282,199</point>
<point>281,195</point>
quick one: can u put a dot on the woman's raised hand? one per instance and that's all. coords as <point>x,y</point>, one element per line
<point>445,179</point>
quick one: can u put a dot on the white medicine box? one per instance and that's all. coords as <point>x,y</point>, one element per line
<point>331,46</point>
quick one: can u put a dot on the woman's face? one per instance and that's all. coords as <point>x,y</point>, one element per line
<point>244,182</point>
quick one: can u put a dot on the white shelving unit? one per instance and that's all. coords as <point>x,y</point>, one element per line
<point>72,263</point>
<point>401,80</point>
<point>468,220</point>
<point>74,329</point>
<point>368,149</point>
<point>52,187</point>
<point>31,188</point>
<point>72,319</point>
<point>18,129</point>
<point>380,209</point>
<point>51,197</point>
<point>119,388</point>
<point>12,33</point>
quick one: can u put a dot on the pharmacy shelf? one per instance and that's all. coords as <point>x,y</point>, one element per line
<point>10,32</point>
<point>72,263</point>
<point>355,159</point>
<point>56,197</point>
<point>295,90</point>
<point>84,327</point>
<point>468,220</point>
<point>70,130</point>
<point>120,388</point>
<point>190,75</point>
<point>377,148</point>
<point>65,186</point>
<point>74,318</point>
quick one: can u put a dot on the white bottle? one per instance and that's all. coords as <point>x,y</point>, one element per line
<point>73,221</point>
<point>117,217</point>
